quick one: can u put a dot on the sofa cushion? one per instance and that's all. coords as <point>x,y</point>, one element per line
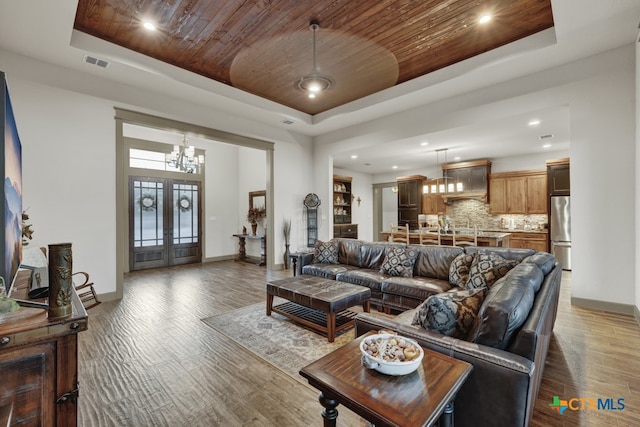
<point>418,288</point>
<point>433,261</point>
<point>487,268</point>
<point>327,271</point>
<point>506,307</point>
<point>544,260</point>
<point>363,277</point>
<point>372,254</point>
<point>349,251</point>
<point>459,269</point>
<point>399,261</point>
<point>452,313</point>
<point>326,252</point>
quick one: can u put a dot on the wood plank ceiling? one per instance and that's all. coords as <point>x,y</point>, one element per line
<point>265,46</point>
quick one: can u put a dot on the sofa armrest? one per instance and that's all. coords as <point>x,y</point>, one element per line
<point>499,379</point>
<point>304,259</point>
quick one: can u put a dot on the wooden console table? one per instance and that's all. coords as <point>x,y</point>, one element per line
<point>39,361</point>
<point>416,399</point>
<point>242,250</point>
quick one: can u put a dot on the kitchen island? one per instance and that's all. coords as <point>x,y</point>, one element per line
<point>485,238</point>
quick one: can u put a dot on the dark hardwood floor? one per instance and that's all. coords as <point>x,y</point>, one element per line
<point>148,360</point>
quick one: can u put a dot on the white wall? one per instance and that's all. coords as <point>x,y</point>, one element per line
<point>66,124</point>
<point>221,201</point>
<point>637,181</point>
<point>600,93</point>
<point>251,176</point>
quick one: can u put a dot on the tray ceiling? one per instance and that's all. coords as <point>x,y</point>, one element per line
<point>264,46</point>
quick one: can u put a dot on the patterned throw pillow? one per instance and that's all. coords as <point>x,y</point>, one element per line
<point>399,261</point>
<point>459,269</point>
<point>451,313</point>
<point>487,268</point>
<point>326,252</point>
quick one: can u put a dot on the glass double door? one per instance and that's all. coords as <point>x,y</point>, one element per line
<point>164,222</point>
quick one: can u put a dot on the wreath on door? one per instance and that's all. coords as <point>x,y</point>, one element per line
<point>148,202</point>
<point>184,203</point>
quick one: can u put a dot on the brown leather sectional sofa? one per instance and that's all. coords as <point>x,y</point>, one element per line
<point>509,342</point>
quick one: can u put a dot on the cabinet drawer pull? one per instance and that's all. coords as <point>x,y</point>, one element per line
<point>75,325</point>
<point>5,340</point>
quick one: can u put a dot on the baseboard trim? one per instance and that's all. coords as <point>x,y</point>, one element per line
<point>613,307</point>
<point>219,258</point>
<point>636,314</point>
<point>109,296</point>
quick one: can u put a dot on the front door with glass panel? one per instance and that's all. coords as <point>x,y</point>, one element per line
<point>164,222</point>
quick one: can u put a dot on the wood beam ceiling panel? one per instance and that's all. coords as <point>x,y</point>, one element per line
<point>211,38</point>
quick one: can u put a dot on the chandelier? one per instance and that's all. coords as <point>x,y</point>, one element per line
<point>184,157</point>
<point>314,83</point>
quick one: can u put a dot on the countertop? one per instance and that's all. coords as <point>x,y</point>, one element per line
<point>515,230</point>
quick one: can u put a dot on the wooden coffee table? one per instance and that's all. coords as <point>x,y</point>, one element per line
<point>318,303</point>
<point>416,399</point>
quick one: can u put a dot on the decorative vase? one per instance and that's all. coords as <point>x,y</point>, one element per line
<point>286,256</point>
<point>60,282</point>
<point>254,228</point>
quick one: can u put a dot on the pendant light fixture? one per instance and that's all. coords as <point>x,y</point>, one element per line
<point>314,83</point>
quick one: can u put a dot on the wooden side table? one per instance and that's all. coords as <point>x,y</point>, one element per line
<point>417,399</point>
<point>242,252</point>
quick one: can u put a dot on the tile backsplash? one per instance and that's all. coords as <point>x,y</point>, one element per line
<point>474,212</point>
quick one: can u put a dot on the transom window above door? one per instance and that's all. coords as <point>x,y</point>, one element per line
<point>158,160</point>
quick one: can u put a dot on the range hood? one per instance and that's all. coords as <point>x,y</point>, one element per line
<point>467,180</point>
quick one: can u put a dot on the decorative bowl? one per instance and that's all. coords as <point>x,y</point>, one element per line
<point>391,354</point>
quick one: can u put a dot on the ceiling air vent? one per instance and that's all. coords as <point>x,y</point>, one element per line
<point>288,121</point>
<point>547,136</point>
<point>95,61</point>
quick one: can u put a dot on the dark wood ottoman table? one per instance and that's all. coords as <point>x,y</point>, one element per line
<point>318,303</point>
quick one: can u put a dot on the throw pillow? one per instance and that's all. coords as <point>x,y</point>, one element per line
<point>326,252</point>
<point>487,268</point>
<point>451,313</point>
<point>459,269</point>
<point>399,261</point>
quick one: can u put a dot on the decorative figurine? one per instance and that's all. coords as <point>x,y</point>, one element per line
<point>244,230</point>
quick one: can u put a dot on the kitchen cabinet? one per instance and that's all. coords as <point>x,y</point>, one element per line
<point>537,194</point>
<point>432,204</point>
<point>522,192</point>
<point>529,240</point>
<point>347,231</point>
<point>342,204</point>
<point>410,199</point>
<point>558,174</point>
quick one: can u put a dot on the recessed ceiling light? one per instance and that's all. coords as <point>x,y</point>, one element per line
<point>354,156</point>
<point>456,158</point>
<point>534,122</point>
<point>394,167</point>
<point>484,18</point>
<point>149,26</point>
<point>423,143</point>
<point>546,146</point>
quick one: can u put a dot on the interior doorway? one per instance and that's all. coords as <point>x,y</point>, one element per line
<point>165,228</point>
<point>385,207</point>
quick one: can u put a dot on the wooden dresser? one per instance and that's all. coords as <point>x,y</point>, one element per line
<point>39,362</point>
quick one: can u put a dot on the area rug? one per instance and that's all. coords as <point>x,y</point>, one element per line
<point>276,339</point>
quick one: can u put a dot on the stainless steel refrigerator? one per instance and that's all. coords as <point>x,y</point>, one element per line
<point>560,221</point>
